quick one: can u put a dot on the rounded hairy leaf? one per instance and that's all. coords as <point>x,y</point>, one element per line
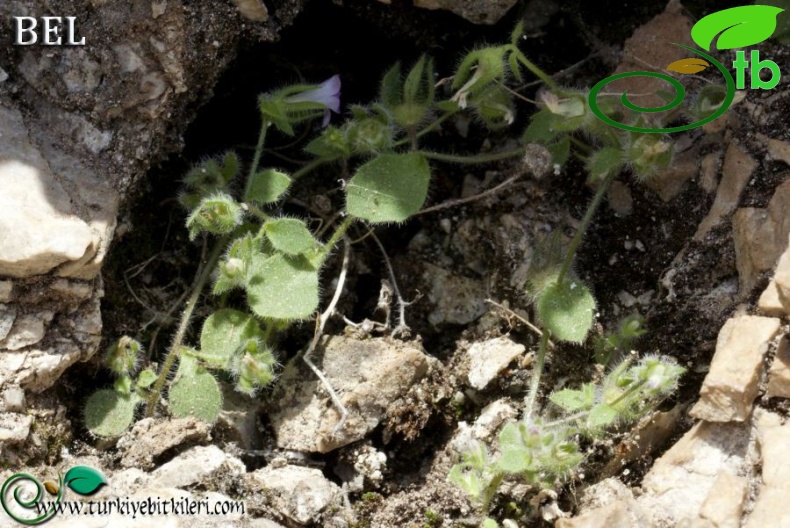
<point>194,392</point>
<point>267,186</point>
<point>739,27</point>
<point>572,400</point>
<point>108,414</point>
<point>223,333</point>
<point>289,235</point>
<point>389,188</point>
<point>566,309</point>
<point>604,161</point>
<point>282,287</point>
<point>601,415</point>
<point>146,378</point>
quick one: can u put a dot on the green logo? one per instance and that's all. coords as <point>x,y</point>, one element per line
<point>736,27</point>
<point>81,479</point>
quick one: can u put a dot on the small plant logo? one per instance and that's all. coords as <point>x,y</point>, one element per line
<point>16,495</point>
<point>738,27</point>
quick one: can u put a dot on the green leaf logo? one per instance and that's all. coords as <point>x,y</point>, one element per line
<point>84,480</point>
<point>739,27</point>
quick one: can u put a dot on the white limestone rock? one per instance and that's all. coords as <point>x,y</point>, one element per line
<point>489,358</point>
<point>731,385</point>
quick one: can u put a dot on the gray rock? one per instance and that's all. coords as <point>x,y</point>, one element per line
<point>779,373</point>
<point>14,427</point>
<point>6,291</point>
<point>13,400</point>
<point>149,438</point>
<point>194,466</point>
<point>738,168</point>
<point>760,236</point>
<point>457,299</point>
<point>732,381</point>
<point>475,11</point>
<point>686,476</point>
<point>27,330</point>
<point>254,10</point>
<point>238,419</point>
<point>489,358</point>
<point>298,493</point>
<point>34,207</point>
<point>367,374</point>
<point>7,318</point>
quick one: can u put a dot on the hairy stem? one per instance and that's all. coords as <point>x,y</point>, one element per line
<point>338,234</point>
<point>183,325</point>
<point>478,158</point>
<point>256,158</point>
<point>540,74</point>
<point>585,223</point>
<point>536,373</point>
<point>307,168</point>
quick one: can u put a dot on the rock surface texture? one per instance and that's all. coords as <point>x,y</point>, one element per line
<point>79,125</point>
<point>368,374</point>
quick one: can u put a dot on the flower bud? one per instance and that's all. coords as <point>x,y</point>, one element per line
<point>122,356</point>
<point>218,214</point>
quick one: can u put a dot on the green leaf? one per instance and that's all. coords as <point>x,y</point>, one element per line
<point>541,128</point>
<point>84,480</point>
<point>233,268</point>
<point>469,481</point>
<point>391,90</point>
<point>560,151</point>
<point>146,378</point>
<point>254,368</point>
<point>566,310</point>
<point>222,335</point>
<point>123,384</point>
<point>601,415</point>
<point>490,523</point>
<point>389,188</point>
<point>739,27</point>
<point>275,110</point>
<point>194,392</point>
<point>604,161</point>
<point>514,460</point>
<point>266,186</point>
<point>574,400</point>
<point>289,235</point>
<point>332,144</point>
<point>282,287</point>
<point>510,435</point>
<point>108,414</point>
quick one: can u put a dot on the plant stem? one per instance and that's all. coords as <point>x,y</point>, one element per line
<point>540,74</point>
<point>183,325</point>
<point>582,415</point>
<point>426,130</point>
<point>537,372</point>
<point>338,234</point>
<point>478,158</point>
<point>307,168</point>
<point>256,211</point>
<point>256,158</point>
<point>585,223</point>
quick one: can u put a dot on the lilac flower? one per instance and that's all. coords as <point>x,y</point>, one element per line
<point>327,94</point>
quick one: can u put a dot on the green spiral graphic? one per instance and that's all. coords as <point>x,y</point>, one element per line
<point>29,504</point>
<point>680,95</point>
